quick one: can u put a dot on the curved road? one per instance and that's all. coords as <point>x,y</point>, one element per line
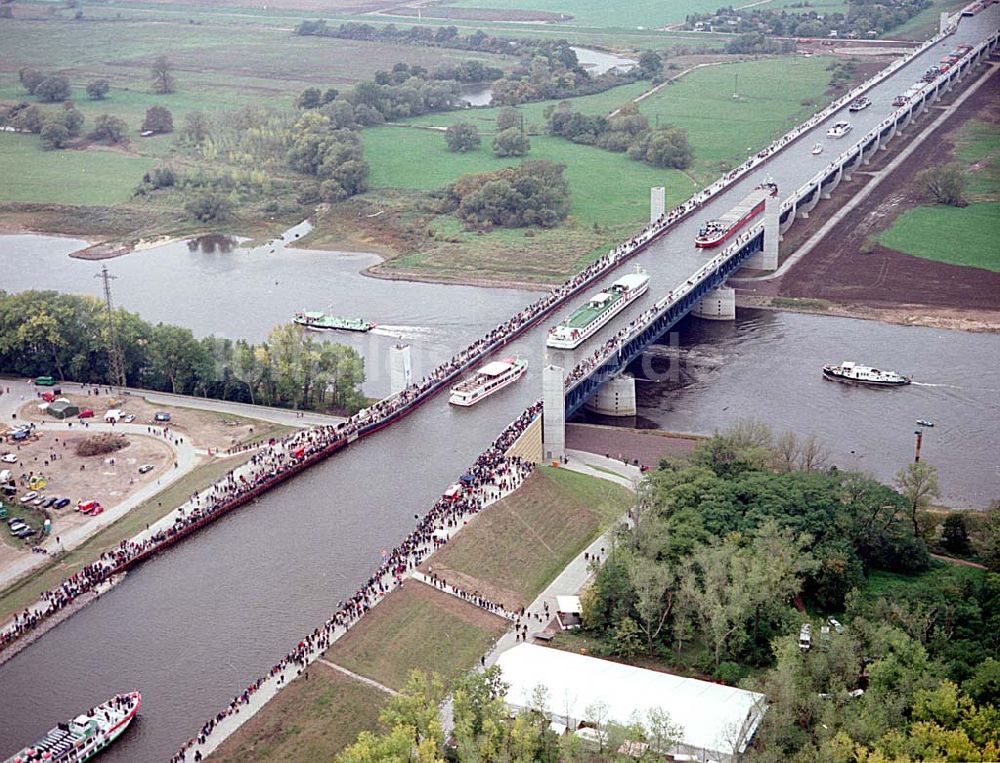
<point>194,626</point>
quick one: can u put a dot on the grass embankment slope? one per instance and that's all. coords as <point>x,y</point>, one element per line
<point>519,544</point>
<point>959,235</point>
<point>609,192</point>
<point>311,719</point>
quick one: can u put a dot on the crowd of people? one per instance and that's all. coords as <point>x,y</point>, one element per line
<point>493,468</point>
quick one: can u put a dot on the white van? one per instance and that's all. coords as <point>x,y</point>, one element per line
<point>112,416</point>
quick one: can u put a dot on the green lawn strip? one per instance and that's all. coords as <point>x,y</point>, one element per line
<point>925,24</point>
<point>27,590</point>
<point>978,145</point>
<point>311,719</point>
<point>417,628</point>
<point>520,544</point>
<point>958,236</point>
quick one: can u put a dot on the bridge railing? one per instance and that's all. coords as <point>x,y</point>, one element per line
<point>894,118</point>
<point>640,323</point>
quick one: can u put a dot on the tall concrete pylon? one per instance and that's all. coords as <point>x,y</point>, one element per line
<point>657,203</point>
<point>553,413</point>
<point>767,258</point>
<point>400,368</point>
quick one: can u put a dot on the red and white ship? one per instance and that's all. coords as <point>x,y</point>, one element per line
<point>86,735</point>
<point>718,231</point>
<point>491,378</point>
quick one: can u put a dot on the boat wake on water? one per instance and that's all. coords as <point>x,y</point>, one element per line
<point>953,386</point>
<point>405,332</point>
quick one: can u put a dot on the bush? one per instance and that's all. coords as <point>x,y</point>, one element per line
<point>209,207</point>
<point>110,129</point>
<point>535,193</point>
<point>511,142</point>
<point>54,135</point>
<point>98,89</point>
<point>158,120</point>
<point>100,444</point>
<point>52,89</point>
<point>945,184</point>
<point>462,137</point>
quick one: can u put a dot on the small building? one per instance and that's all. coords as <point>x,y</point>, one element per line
<point>62,409</point>
<point>569,612</point>
<point>718,722</point>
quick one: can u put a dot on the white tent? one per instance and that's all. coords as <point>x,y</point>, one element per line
<point>718,721</point>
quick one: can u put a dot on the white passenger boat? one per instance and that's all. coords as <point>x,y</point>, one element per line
<point>839,130</point>
<point>599,309</point>
<point>491,378</point>
<point>817,148</point>
<point>852,373</point>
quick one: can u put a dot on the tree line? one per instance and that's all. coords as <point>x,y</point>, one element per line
<point>66,336</point>
<point>864,19</point>
<point>628,132</point>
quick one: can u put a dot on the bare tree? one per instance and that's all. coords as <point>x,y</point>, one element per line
<point>163,78</point>
<point>812,456</point>
<point>654,586</point>
<point>787,450</point>
<point>918,483</point>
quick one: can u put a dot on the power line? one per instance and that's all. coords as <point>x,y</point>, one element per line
<point>113,348</point>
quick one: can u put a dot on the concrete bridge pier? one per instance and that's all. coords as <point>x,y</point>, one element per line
<point>553,413</point>
<point>852,165</point>
<point>400,368</point>
<point>884,141</point>
<point>657,203</point>
<point>826,190</point>
<point>805,207</point>
<point>718,305</point>
<point>616,398</point>
<point>790,219</point>
<point>767,258</point>
<point>867,159</point>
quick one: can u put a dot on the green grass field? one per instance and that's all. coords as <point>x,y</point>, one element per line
<point>310,719</point>
<point>966,236</point>
<point>978,145</point>
<point>417,628</point>
<point>93,177</point>
<point>519,545</point>
<point>885,584</point>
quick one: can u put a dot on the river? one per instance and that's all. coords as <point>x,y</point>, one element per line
<point>766,365</point>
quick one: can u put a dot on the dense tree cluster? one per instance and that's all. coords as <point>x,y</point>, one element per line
<point>628,131</point>
<point>864,19</point>
<point>65,335</point>
<point>98,89</point>
<point>410,727</point>
<point>534,193</point>
<point>548,68</point>
<point>110,129</point>
<point>331,155</point>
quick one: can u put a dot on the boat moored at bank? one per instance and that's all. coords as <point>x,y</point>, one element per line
<point>86,735</point>
<point>854,373</point>
<point>318,321</point>
<point>492,377</point>
<point>716,232</point>
<point>600,309</point>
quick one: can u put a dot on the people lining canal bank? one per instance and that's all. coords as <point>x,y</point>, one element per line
<point>493,475</point>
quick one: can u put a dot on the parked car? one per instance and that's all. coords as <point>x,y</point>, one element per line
<point>39,500</point>
<point>49,502</point>
<point>25,532</point>
<point>48,396</point>
<point>62,503</point>
<point>86,413</point>
<point>145,468</point>
<point>45,381</point>
<point>29,496</point>
<point>161,416</point>
<point>15,524</point>
<point>20,434</point>
<point>129,418</point>
<point>9,458</point>
<point>86,507</point>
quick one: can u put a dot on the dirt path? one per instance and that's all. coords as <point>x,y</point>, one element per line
<point>959,562</point>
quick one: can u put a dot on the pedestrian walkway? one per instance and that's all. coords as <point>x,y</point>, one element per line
<point>351,674</point>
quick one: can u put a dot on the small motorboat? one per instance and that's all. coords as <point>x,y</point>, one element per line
<point>924,423</point>
<point>818,148</point>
